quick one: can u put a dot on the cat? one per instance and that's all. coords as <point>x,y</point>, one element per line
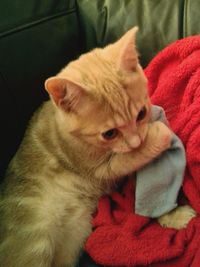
<point>95,129</point>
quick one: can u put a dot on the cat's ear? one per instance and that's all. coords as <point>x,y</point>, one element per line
<point>64,93</point>
<point>127,53</point>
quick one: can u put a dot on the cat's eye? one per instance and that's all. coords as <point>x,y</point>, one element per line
<point>110,134</point>
<point>142,114</point>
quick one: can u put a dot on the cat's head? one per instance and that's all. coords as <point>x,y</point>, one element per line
<point>102,96</point>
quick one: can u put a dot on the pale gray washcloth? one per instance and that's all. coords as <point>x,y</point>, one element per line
<point>159,182</point>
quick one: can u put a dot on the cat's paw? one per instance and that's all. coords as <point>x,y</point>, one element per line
<point>160,136</point>
<point>178,218</point>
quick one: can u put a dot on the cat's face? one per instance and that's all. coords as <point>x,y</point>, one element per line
<point>103,97</point>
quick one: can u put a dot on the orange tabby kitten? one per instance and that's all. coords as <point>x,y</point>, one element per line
<point>95,129</point>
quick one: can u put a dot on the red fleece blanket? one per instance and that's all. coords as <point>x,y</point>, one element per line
<point>122,238</point>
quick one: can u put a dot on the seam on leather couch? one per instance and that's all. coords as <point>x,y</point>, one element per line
<point>39,21</point>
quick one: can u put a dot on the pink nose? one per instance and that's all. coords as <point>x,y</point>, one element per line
<point>134,141</point>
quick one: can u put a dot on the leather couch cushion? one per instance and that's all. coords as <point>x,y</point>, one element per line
<point>36,39</point>
<point>161,22</point>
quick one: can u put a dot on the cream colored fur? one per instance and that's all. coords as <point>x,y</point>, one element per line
<point>64,165</point>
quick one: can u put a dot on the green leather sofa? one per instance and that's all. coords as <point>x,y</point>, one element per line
<point>37,38</point>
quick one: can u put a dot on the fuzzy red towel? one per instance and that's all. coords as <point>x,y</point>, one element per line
<point>122,238</point>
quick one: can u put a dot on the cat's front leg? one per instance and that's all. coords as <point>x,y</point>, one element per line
<point>73,235</point>
<point>158,139</point>
<point>46,242</point>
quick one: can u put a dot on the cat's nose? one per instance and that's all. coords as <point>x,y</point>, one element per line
<point>134,141</point>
